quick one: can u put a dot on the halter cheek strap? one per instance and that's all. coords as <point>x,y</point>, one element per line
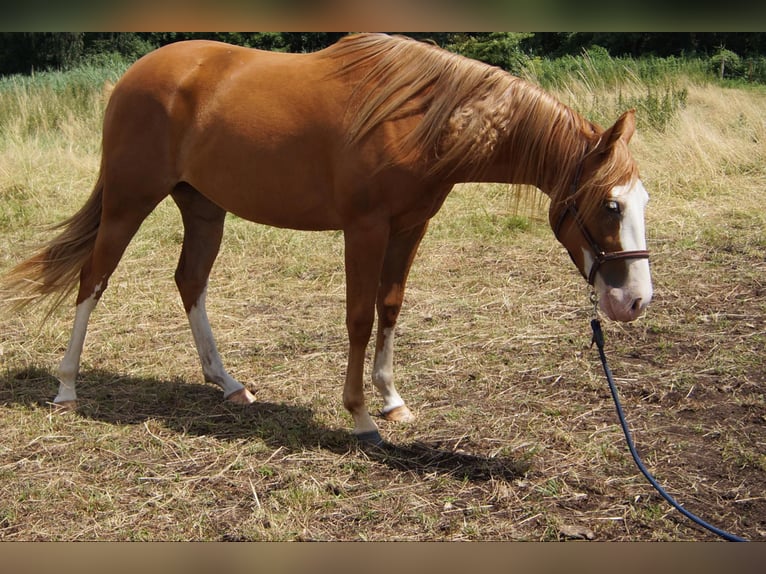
<point>599,255</point>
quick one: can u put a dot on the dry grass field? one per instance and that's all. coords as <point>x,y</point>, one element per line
<point>516,436</point>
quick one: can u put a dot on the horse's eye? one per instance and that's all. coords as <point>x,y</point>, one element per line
<point>612,206</point>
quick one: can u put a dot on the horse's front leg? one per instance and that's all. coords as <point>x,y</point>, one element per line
<point>398,260</point>
<point>365,245</point>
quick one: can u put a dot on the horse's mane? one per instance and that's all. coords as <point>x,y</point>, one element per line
<point>467,108</point>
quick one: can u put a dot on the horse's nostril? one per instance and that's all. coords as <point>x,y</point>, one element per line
<point>636,306</point>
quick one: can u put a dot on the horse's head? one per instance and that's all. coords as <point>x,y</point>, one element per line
<point>600,221</point>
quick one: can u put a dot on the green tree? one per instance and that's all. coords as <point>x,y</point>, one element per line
<point>725,62</point>
<point>502,49</point>
<point>127,45</point>
<point>24,52</point>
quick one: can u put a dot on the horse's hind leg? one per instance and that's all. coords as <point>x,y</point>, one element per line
<point>116,228</point>
<point>399,256</point>
<point>203,230</point>
<point>70,363</point>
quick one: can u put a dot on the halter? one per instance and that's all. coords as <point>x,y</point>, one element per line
<point>600,256</point>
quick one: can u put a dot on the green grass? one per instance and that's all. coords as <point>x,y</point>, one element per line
<point>44,105</point>
<point>600,70</point>
<point>601,86</point>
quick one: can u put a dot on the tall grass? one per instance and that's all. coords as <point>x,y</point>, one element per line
<point>601,87</point>
<point>50,126</point>
<point>44,105</point>
<point>596,67</point>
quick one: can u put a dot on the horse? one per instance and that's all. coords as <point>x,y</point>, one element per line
<point>367,136</point>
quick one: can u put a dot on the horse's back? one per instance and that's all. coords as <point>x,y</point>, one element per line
<point>264,135</point>
<point>254,131</point>
<point>201,71</point>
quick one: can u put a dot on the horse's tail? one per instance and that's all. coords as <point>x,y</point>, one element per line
<point>54,270</point>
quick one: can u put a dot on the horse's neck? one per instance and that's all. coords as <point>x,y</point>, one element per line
<point>546,157</point>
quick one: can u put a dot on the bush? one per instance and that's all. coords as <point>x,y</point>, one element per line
<point>726,64</point>
<point>655,109</point>
<point>112,47</point>
<point>501,49</point>
<point>601,87</point>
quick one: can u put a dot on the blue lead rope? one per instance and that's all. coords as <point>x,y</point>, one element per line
<point>598,339</point>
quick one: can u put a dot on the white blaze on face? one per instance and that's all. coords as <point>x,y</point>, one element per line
<point>632,202</point>
<point>626,302</point>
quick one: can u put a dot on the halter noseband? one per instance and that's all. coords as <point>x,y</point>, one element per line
<point>600,256</point>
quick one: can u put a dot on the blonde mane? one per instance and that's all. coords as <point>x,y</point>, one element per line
<point>470,113</point>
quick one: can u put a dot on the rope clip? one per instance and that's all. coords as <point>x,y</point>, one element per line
<point>593,297</point>
<point>595,324</point>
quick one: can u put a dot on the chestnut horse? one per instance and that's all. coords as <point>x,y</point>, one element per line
<point>367,136</point>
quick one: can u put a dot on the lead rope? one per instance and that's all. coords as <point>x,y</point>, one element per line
<point>598,339</point>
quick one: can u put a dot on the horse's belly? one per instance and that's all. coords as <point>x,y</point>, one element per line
<point>289,209</point>
<point>288,202</point>
<point>285,184</point>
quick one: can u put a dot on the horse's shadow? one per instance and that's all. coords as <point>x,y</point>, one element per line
<point>198,410</point>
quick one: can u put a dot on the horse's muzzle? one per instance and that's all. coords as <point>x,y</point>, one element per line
<point>624,304</point>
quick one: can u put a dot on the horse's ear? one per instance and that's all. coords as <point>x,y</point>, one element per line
<point>622,129</point>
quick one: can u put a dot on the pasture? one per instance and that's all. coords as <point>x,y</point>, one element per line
<point>516,436</point>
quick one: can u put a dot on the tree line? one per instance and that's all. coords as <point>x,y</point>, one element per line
<point>26,52</point>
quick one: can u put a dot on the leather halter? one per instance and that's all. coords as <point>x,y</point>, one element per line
<point>600,256</point>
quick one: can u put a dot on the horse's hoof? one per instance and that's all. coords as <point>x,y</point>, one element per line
<point>399,414</point>
<point>64,407</point>
<point>371,438</point>
<point>241,397</point>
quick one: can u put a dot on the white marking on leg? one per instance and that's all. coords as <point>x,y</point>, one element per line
<point>212,366</point>
<point>70,364</point>
<point>383,373</point>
